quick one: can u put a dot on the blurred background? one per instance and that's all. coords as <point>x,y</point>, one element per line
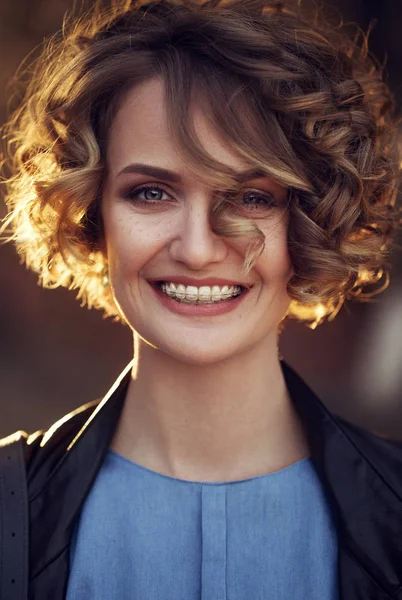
<point>56,356</point>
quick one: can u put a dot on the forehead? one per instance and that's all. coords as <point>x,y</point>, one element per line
<point>139,132</point>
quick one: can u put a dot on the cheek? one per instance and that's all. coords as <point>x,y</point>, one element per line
<point>132,243</point>
<point>127,240</point>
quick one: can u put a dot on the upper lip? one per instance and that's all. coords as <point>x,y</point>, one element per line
<point>200,282</point>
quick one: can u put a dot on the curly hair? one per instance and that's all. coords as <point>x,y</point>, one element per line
<point>293,96</point>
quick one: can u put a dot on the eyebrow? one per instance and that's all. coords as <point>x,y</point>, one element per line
<point>173,177</point>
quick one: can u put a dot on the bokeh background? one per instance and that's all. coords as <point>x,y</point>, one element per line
<point>56,355</point>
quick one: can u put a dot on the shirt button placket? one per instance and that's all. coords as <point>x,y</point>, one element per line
<point>214,551</point>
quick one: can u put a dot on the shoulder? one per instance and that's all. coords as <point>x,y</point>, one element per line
<point>49,445</point>
<point>384,454</point>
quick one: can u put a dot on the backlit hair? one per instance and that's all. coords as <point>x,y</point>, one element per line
<point>292,96</point>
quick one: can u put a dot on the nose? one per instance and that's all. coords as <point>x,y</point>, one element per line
<point>196,245</point>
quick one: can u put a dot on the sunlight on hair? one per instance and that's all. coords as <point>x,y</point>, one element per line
<point>381,274</point>
<point>315,314</point>
<point>343,166</point>
<point>365,276</point>
<point>320,314</point>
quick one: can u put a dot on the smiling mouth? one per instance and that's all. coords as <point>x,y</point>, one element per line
<point>159,285</point>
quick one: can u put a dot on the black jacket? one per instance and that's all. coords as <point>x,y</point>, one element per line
<point>45,478</point>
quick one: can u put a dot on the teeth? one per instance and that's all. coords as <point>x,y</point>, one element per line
<point>180,290</point>
<point>191,292</point>
<point>205,292</point>
<point>225,292</point>
<point>202,294</point>
<point>217,293</point>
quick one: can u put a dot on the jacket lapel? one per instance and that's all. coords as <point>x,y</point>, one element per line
<point>367,509</point>
<point>60,484</point>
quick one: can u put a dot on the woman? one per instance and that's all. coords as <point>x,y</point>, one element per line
<point>200,172</point>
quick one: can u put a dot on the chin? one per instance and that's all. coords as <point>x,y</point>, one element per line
<point>201,357</point>
<point>192,352</point>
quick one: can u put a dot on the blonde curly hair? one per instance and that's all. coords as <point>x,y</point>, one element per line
<point>293,96</point>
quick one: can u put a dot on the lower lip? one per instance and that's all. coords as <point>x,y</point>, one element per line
<point>195,310</point>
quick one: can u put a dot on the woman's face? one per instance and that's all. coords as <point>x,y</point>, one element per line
<point>171,236</point>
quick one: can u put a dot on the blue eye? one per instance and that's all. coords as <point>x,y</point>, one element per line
<point>253,199</point>
<point>133,194</point>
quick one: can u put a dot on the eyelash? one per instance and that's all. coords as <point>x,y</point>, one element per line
<point>132,194</point>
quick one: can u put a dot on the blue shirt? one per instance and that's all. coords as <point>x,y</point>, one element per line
<point>146,536</point>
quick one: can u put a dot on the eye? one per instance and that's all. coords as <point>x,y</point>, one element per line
<point>258,200</point>
<point>134,193</point>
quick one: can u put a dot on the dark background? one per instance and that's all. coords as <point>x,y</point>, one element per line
<point>55,355</point>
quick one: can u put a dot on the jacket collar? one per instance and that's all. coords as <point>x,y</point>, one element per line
<point>366,508</point>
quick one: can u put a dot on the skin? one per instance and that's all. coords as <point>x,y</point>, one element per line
<point>207,400</point>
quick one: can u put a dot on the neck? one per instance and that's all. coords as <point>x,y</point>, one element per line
<point>226,421</point>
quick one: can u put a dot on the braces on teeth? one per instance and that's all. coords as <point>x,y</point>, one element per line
<point>202,300</point>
